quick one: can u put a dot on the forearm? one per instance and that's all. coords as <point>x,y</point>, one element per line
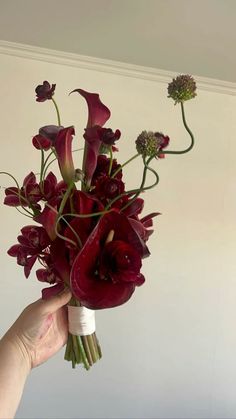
<point>14,369</point>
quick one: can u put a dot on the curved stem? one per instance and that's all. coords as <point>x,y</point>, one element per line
<point>65,197</point>
<point>124,164</point>
<point>57,111</point>
<point>21,198</point>
<point>188,130</point>
<point>111,161</point>
<point>21,212</point>
<point>41,171</point>
<point>138,190</point>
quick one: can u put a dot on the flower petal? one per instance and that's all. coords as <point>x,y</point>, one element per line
<point>85,283</point>
<point>63,145</point>
<point>98,113</point>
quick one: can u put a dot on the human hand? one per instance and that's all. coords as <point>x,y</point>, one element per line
<point>41,329</point>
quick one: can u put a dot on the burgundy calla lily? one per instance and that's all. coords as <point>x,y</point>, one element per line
<point>98,114</point>
<point>63,146</point>
<point>105,275</point>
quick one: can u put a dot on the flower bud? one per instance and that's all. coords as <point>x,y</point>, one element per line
<point>182,88</point>
<point>149,143</point>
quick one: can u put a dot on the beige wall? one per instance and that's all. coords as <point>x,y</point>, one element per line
<point>170,351</point>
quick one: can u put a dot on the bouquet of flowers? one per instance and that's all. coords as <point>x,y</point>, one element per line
<point>90,235</point>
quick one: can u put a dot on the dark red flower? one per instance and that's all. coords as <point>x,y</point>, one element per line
<point>80,228</point>
<point>163,141</point>
<point>50,132</point>
<point>28,195</point>
<point>102,168</point>
<point>108,137</point>
<point>124,254</point>
<point>57,269</point>
<point>105,135</point>
<point>108,188</point>
<point>44,91</point>
<point>63,147</point>
<point>32,242</point>
<point>41,143</point>
<point>120,262</point>
<point>98,114</point>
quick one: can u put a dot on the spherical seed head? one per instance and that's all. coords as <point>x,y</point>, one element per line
<point>148,144</point>
<point>182,88</point>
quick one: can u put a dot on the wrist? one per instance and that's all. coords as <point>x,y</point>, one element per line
<point>19,354</point>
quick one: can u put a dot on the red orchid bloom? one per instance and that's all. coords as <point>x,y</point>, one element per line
<point>28,195</point>
<point>57,269</point>
<point>32,242</point>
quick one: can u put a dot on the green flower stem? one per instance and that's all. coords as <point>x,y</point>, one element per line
<point>57,111</point>
<point>67,356</point>
<point>142,187</point>
<point>87,349</point>
<point>41,171</point>
<point>138,190</point>
<point>45,164</point>
<point>94,353</point>
<point>22,213</point>
<point>83,354</point>
<point>21,198</point>
<point>188,130</point>
<point>76,349</point>
<point>97,346</point>
<point>111,161</point>
<point>49,164</point>
<point>65,197</point>
<point>124,164</point>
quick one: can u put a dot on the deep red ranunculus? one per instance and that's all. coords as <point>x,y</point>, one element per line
<point>44,91</point>
<point>102,168</point>
<point>108,188</point>
<point>105,275</point>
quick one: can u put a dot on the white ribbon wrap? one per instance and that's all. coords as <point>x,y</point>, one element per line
<point>81,321</point>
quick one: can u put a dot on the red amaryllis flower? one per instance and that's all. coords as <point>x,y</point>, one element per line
<point>105,275</point>
<point>44,91</point>
<point>32,242</point>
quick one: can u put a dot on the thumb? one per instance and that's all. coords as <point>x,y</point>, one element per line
<point>57,301</point>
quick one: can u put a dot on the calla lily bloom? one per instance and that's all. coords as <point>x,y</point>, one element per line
<point>63,147</point>
<point>98,114</point>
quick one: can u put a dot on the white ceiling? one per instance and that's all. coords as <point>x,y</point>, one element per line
<point>189,36</point>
